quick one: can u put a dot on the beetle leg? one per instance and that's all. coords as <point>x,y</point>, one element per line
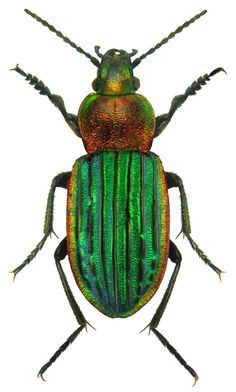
<point>62,348</point>
<point>60,254</point>
<point>61,180</point>
<point>57,100</point>
<point>163,120</point>
<point>173,180</point>
<point>176,258</point>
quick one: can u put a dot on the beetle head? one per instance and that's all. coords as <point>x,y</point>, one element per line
<point>115,73</point>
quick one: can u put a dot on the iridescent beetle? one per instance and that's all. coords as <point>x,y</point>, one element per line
<point>117,210</point>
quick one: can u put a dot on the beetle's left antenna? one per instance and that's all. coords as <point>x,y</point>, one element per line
<point>65,39</point>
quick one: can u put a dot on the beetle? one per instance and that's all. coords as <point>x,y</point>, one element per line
<point>117,238</point>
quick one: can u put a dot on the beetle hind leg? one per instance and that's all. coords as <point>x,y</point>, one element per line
<point>60,254</point>
<point>176,258</point>
<point>62,348</point>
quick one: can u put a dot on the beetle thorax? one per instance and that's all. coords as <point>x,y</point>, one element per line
<point>115,117</point>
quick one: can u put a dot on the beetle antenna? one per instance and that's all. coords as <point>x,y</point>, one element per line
<point>65,39</point>
<point>138,60</point>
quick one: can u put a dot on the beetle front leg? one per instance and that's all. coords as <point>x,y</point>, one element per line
<point>61,180</point>
<point>60,254</point>
<point>175,257</point>
<point>163,120</point>
<point>57,100</point>
<point>173,180</point>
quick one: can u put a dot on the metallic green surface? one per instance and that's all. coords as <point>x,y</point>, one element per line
<point>107,221</point>
<point>116,202</point>
<point>115,74</point>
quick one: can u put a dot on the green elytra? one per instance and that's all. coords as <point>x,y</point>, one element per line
<point>118,229</point>
<point>121,286</point>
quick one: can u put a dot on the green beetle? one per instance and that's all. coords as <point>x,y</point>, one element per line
<point>117,207</point>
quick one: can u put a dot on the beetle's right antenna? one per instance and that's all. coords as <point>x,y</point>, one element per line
<point>65,39</point>
<point>138,60</point>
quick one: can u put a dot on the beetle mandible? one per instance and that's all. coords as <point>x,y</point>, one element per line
<point>117,206</point>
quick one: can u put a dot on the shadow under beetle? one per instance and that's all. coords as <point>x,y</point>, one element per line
<point>117,207</point>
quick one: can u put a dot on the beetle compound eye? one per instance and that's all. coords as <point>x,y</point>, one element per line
<point>95,84</point>
<point>136,83</point>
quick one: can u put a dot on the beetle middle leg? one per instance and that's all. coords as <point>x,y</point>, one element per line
<point>60,254</point>
<point>173,180</point>
<point>175,257</point>
<point>61,180</point>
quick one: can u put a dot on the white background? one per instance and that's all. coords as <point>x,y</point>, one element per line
<point>198,145</point>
